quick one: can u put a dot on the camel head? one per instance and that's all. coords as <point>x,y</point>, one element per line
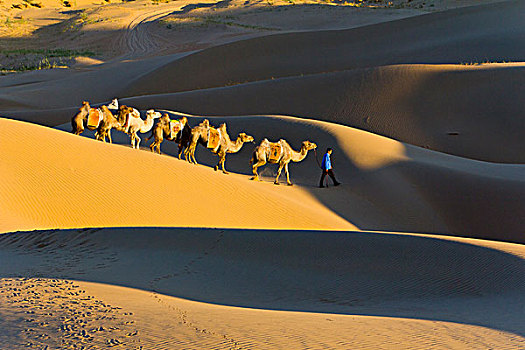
<point>152,114</point>
<point>205,123</point>
<point>246,138</point>
<point>309,145</point>
<point>122,110</point>
<point>85,105</point>
<point>165,118</point>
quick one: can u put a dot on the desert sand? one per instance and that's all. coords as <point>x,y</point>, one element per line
<point>421,247</point>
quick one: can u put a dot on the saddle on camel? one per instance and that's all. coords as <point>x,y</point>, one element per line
<point>94,118</point>
<point>276,150</point>
<point>95,115</point>
<point>214,138</point>
<point>176,126</point>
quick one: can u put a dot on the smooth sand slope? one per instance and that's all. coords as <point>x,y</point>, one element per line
<point>69,181</point>
<point>334,290</point>
<point>388,185</point>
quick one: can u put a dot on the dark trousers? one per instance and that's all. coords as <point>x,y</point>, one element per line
<point>330,172</point>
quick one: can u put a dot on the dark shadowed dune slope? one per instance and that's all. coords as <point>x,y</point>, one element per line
<point>470,111</point>
<point>475,34</point>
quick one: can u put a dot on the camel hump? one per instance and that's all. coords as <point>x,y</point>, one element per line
<point>135,112</point>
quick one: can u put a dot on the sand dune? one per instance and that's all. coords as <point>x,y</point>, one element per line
<point>491,33</point>
<point>365,289</point>
<point>421,247</point>
<point>69,181</point>
<point>388,185</point>
<point>447,108</point>
<point>444,107</point>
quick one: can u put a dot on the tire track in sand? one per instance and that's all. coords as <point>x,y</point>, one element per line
<point>137,39</point>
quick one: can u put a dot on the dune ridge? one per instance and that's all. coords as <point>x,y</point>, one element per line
<point>447,108</point>
<point>472,34</point>
<point>387,185</point>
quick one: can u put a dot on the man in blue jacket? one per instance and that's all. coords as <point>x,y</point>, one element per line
<point>327,169</point>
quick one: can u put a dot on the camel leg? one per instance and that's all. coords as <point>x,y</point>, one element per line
<point>194,160</point>
<point>181,148</point>
<point>254,169</point>
<point>109,136</point>
<point>276,182</point>
<point>287,175</point>
<point>192,155</point>
<point>156,144</point>
<point>222,161</point>
<point>138,141</point>
<point>187,152</point>
<point>78,130</point>
<point>100,136</point>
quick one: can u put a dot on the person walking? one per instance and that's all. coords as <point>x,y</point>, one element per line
<point>327,169</point>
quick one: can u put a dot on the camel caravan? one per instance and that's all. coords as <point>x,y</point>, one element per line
<point>129,121</point>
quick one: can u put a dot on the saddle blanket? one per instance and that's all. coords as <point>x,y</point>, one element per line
<point>214,137</point>
<point>276,151</point>
<point>176,126</point>
<point>95,116</point>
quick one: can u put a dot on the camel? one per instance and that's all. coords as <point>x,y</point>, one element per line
<point>106,124</point>
<point>199,134</point>
<point>177,131</point>
<point>136,124</point>
<point>100,119</point>
<point>279,153</point>
<point>79,120</point>
<point>227,146</point>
